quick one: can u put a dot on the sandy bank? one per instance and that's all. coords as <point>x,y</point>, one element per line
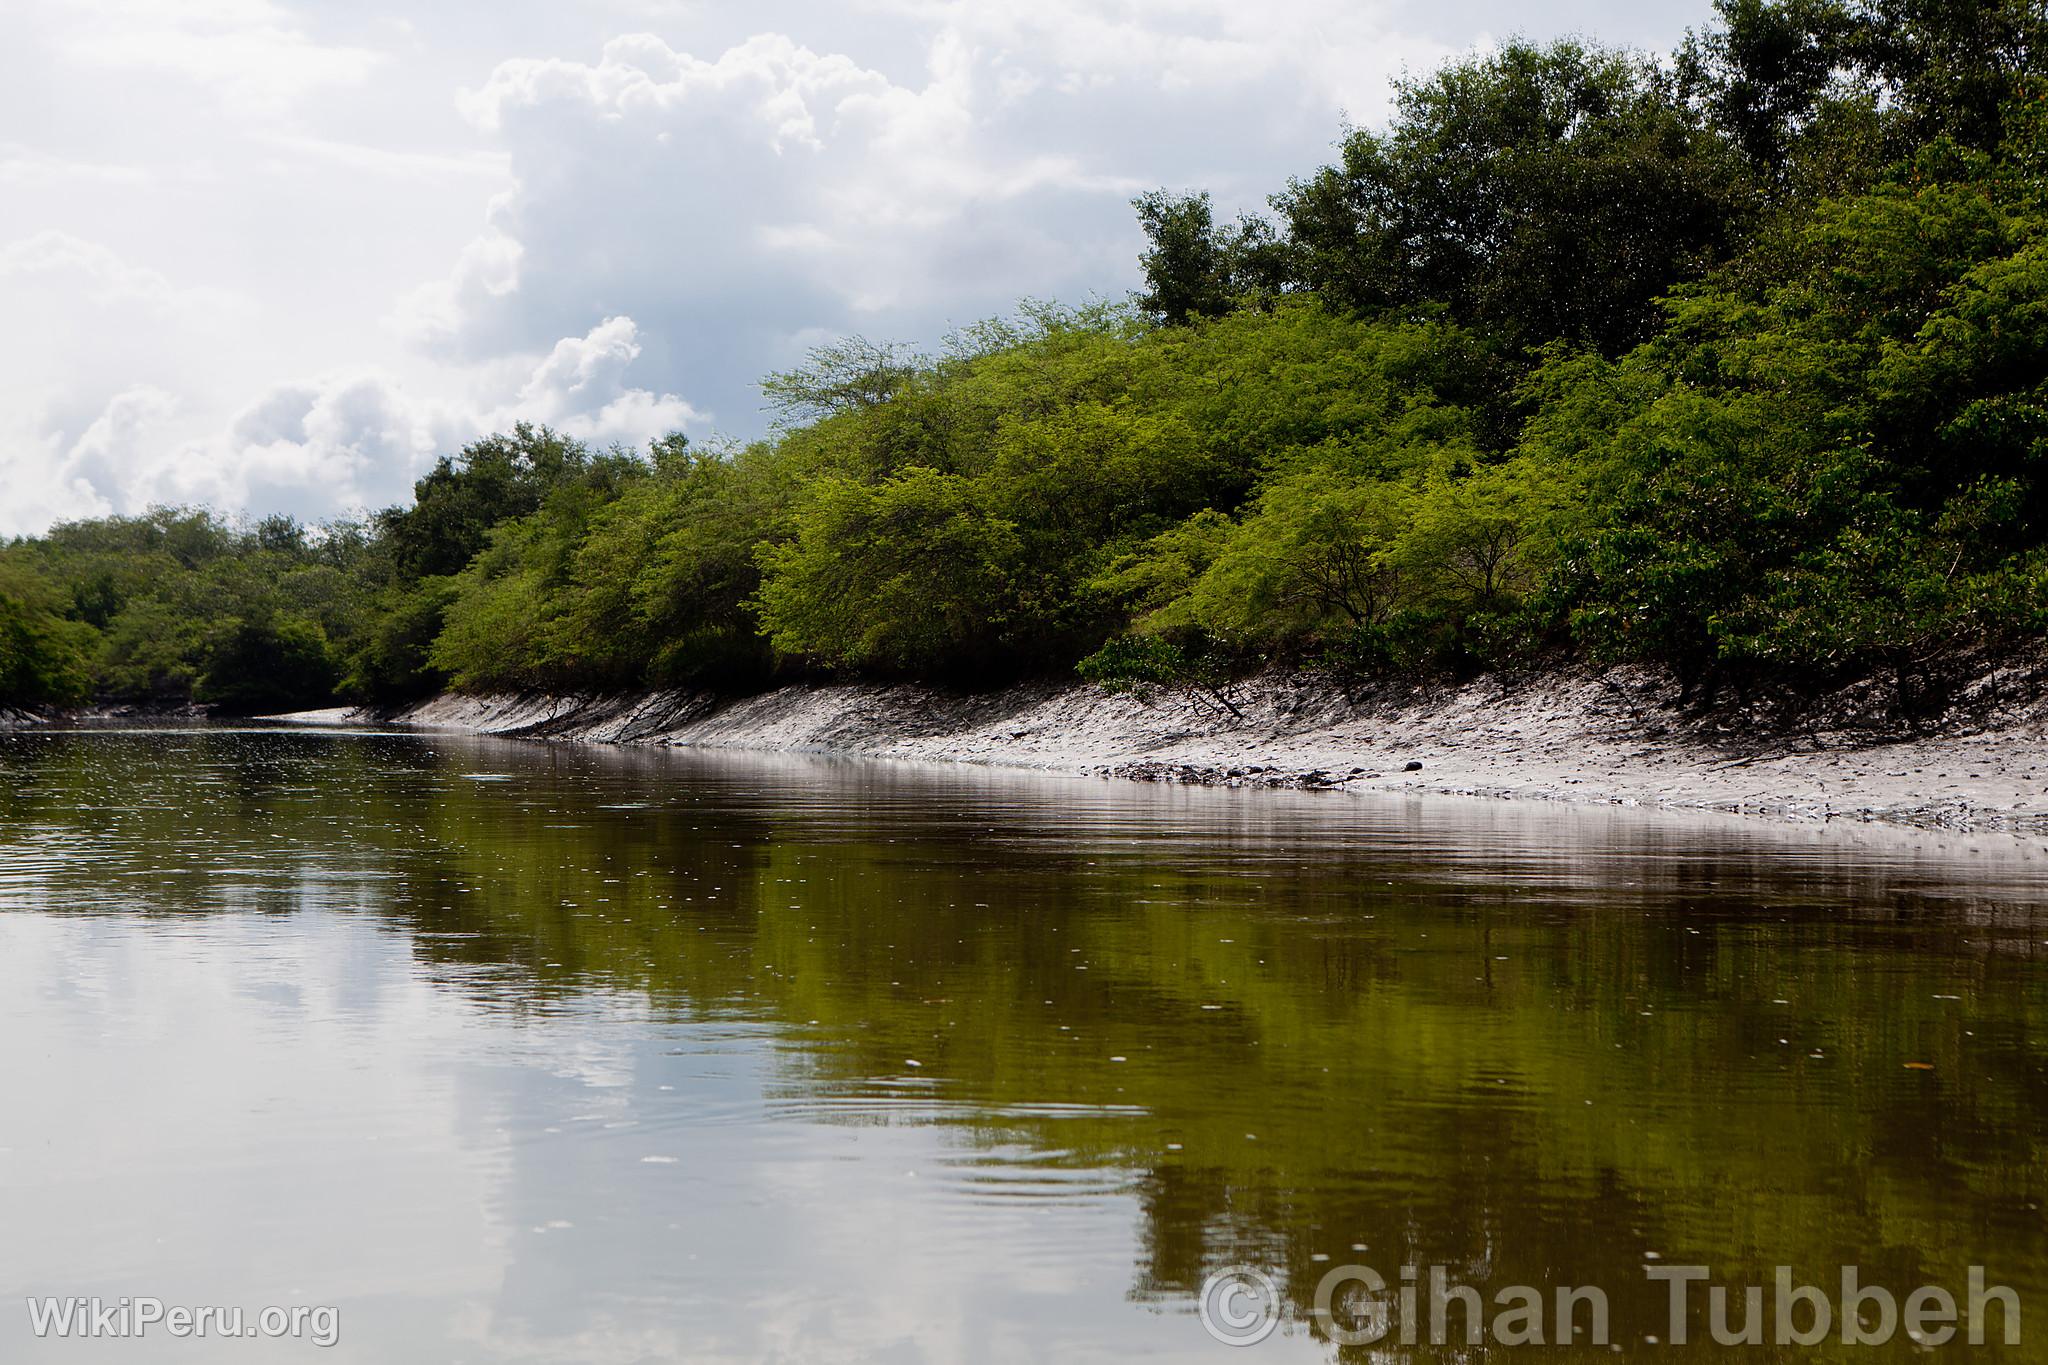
<point>1612,738</point>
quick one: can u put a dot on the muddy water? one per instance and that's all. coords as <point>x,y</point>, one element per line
<point>528,1053</point>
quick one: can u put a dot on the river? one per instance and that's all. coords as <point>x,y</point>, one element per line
<point>517,1052</point>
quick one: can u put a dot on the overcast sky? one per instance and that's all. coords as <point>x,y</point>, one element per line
<point>277,255</point>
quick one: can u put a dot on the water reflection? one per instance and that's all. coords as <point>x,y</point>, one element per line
<point>524,1052</point>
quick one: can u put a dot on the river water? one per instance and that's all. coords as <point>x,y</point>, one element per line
<point>515,1052</point>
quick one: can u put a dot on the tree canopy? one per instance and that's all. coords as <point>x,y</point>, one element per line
<point>1733,360</point>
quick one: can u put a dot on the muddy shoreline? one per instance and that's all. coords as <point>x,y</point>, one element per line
<point>1609,738</point>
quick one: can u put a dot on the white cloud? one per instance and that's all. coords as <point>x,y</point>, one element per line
<point>100,274</point>
<point>248,52</point>
<point>20,165</point>
<point>581,389</point>
<point>733,203</point>
<point>48,479</point>
<point>1324,51</point>
<point>314,449</point>
<point>40,490</point>
<point>487,268</point>
<point>331,446</point>
<point>390,162</point>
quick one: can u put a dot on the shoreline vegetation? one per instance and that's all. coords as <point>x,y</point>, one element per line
<point>1722,372</point>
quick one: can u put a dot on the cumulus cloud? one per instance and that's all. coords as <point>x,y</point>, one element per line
<point>49,478</point>
<point>580,389</point>
<point>333,446</point>
<point>313,449</point>
<point>653,175</point>
<point>118,440</point>
<point>738,201</point>
<point>486,269</point>
<point>40,488</point>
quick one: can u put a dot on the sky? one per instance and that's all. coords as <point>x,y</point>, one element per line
<point>279,255</point>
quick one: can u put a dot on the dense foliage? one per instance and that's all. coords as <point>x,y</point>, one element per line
<point>1735,361</point>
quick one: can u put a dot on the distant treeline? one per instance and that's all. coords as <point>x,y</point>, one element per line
<point>1734,361</point>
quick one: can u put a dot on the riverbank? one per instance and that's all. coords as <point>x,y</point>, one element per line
<point>124,713</point>
<point>1605,738</point>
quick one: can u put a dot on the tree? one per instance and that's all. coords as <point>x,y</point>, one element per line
<point>506,624</point>
<point>684,548</point>
<point>1195,268</point>
<point>1765,71</point>
<point>45,660</point>
<point>844,376</point>
<point>1318,552</point>
<point>1822,95</point>
<point>269,664</point>
<point>281,535</point>
<point>389,662</point>
<point>1951,67</point>
<point>1195,665</point>
<point>1832,461</point>
<point>1539,192</point>
<point>913,573</point>
<point>1475,527</point>
<point>456,503</point>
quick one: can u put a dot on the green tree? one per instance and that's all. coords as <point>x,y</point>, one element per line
<point>390,661</point>
<point>1835,468</point>
<point>270,664</point>
<point>849,375</point>
<point>914,573</point>
<point>1540,192</point>
<point>504,624</point>
<point>1196,268</point>
<point>456,503</point>
<point>44,659</point>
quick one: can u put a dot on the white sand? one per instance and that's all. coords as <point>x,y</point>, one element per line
<point>1610,739</point>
